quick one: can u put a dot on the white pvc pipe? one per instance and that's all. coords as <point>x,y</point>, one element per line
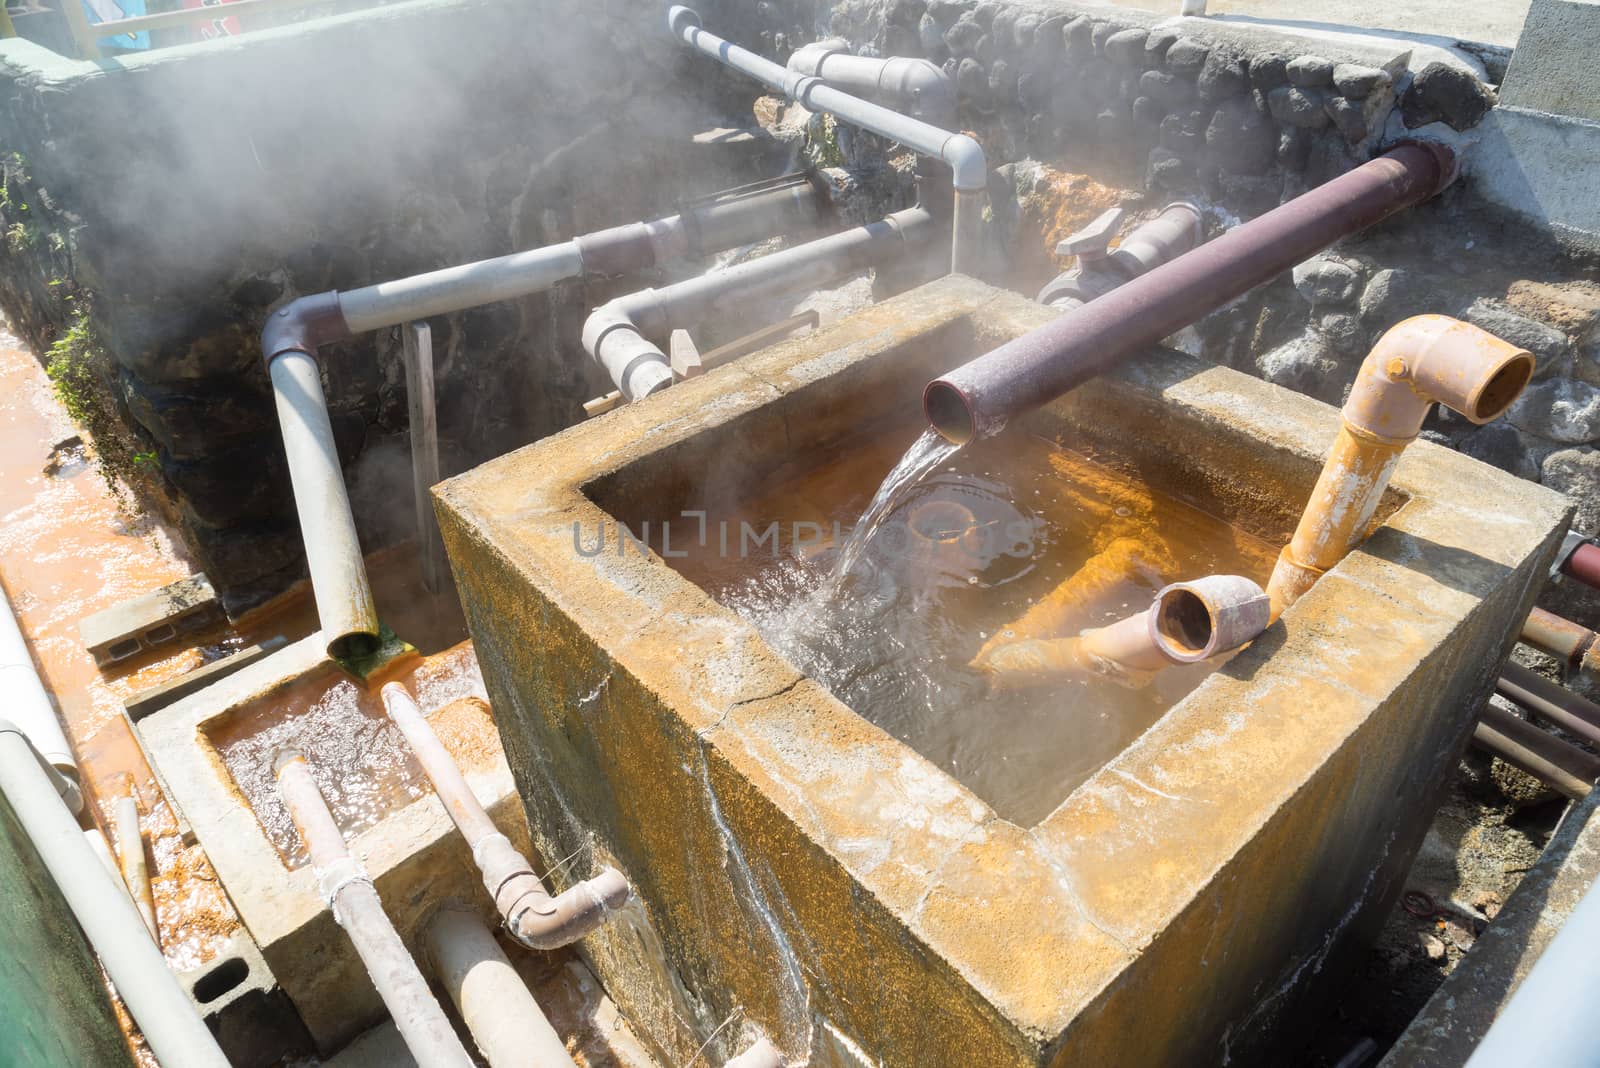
<point>333,552</point>
<point>454,288</point>
<point>510,1028</point>
<point>165,1015</point>
<point>28,706</point>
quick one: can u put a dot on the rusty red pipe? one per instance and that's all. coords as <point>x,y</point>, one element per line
<point>977,398</point>
<point>1584,565</point>
<point>1554,704</point>
<point>1573,643</point>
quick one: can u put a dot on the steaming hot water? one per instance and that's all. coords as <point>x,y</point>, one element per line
<point>952,548</point>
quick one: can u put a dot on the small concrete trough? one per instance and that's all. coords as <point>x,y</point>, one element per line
<point>214,753</point>
<point>802,874</point>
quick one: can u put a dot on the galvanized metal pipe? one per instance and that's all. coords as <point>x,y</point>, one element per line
<point>969,169</point>
<point>1559,765</point>
<point>345,606</point>
<point>533,917</point>
<point>1558,705</point>
<point>508,1025</point>
<point>294,333</point>
<point>349,892</point>
<point>976,399</point>
<point>158,1004</point>
<point>625,335</point>
<point>29,706</point>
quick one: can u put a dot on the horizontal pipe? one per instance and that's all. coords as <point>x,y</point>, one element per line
<point>919,86</point>
<point>356,907</point>
<point>28,705</point>
<point>1556,704</point>
<point>624,336</point>
<point>454,288</point>
<point>158,1004</point>
<point>533,917</point>
<point>968,167</point>
<point>977,398</point>
<point>1574,644</point>
<point>1584,565</point>
<point>509,1027</point>
<point>1560,765</point>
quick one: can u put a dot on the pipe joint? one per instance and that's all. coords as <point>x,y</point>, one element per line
<point>682,19</point>
<point>1428,359</point>
<point>540,921</point>
<point>1194,621</point>
<point>969,170</point>
<point>923,84</point>
<point>619,250</point>
<point>807,59</point>
<point>303,325</point>
<point>637,367</point>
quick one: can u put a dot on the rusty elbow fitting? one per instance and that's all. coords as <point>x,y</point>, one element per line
<point>1428,359</point>
<point>532,915</point>
<point>1194,621</point>
<point>1420,361</point>
<point>303,325</point>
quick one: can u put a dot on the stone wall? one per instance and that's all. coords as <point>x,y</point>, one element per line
<point>162,204</point>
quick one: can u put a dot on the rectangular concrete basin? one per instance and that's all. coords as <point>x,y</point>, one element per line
<point>802,873</point>
<point>214,752</point>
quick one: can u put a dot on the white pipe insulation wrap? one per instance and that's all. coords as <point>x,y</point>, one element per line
<point>968,168</point>
<point>624,336</point>
<point>158,1004</point>
<point>29,707</point>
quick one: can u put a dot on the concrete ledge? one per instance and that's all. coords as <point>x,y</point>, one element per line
<point>1541,167</point>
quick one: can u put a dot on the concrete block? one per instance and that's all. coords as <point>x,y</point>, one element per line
<point>151,620</point>
<point>148,702</point>
<point>1540,166</point>
<point>795,861</point>
<point>1552,67</point>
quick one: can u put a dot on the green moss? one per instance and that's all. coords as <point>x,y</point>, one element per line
<point>74,364</point>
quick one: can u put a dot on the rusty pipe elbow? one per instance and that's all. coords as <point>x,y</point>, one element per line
<point>1428,359</point>
<point>540,921</point>
<point>303,325</point>
<point>1193,621</point>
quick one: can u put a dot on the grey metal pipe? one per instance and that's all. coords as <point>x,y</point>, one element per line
<point>29,707</point>
<point>293,334</point>
<point>532,915</point>
<point>356,907</point>
<point>969,169</point>
<point>919,85</point>
<point>1563,767</point>
<point>333,551</point>
<point>1547,1021</point>
<point>508,1025</point>
<point>624,336</point>
<point>158,1004</point>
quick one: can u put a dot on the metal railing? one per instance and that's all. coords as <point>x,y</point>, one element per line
<point>87,36</point>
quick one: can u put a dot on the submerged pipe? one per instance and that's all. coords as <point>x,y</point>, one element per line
<point>293,334</point>
<point>349,892</point>
<point>1186,623</point>
<point>920,86</point>
<point>509,1027</point>
<point>977,398</point>
<point>158,1004</point>
<point>625,335</point>
<point>29,707</point>
<point>1421,361</point>
<point>969,170</point>
<point>532,915</point>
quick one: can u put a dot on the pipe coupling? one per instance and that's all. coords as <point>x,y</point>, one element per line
<point>333,878</point>
<point>1194,621</point>
<point>303,325</point>
<point>1290,580</point>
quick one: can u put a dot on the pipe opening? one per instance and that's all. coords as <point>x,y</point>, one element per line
<point>353,646</point>
<point>948,412</point>
<point>1502,389</point>
<point>1184,621</point>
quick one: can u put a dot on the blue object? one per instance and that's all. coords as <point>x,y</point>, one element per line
<point>109,11</point>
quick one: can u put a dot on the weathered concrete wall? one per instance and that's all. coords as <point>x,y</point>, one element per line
<point>177,196</point>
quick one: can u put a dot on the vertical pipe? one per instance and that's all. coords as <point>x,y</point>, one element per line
<point>29,706</point>
<point>160,1007</point>
<point>333,551</point>
<point>966,242</point>
<point>416,342</point>
<point>509,1027</point>
<point>135,870</point>
<point>356,907</point>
